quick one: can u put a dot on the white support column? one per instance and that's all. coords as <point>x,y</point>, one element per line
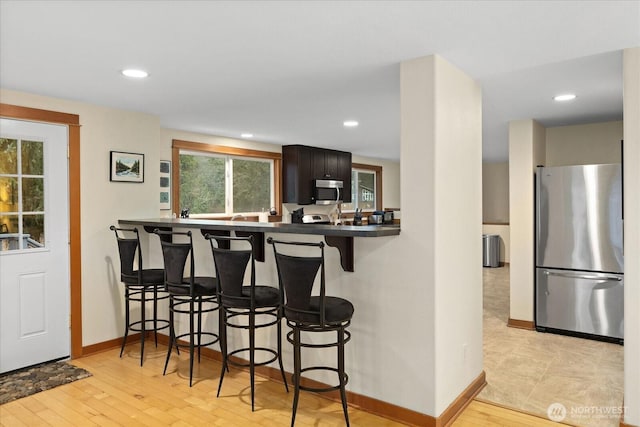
<point>631,106</point>
<point>526,151</point>
<point>441,184</point>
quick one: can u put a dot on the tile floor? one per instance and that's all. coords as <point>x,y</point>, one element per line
<point>528,370</point>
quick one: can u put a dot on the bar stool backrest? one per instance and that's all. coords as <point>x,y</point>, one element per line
<point>175,257</point>
<point>231,266</point>
<point>297,276</point>
<point>127,248</point>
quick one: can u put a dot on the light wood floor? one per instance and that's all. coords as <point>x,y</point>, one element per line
<point>121,393</point>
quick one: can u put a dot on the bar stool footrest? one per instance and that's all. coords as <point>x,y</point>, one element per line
<point>135,294</point>
<point>162,324</point>
<point>320,389</point>
<point>247,364</point>
<point>347,338</point>
<point>233,313</point>
<point>214,339</point>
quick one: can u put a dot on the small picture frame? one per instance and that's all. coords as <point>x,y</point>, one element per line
<point>126,167</point>
<point>165,185</point>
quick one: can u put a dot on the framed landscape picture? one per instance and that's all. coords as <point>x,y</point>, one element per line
<point>165,185</point>
<point>127,167</point>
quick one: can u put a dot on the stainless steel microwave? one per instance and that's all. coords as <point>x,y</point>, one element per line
<point>327,191</point>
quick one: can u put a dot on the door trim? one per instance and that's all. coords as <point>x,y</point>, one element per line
<point>72,121</point>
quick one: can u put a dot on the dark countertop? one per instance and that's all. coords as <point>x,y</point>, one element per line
<point>268,227</point>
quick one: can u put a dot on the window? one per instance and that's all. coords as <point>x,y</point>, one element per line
<point>223,181</point>
<point>366,188</point>
<point>21,194</point>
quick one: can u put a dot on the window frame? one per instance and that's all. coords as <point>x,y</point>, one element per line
<point>377,170</point>
<point>234,152</point>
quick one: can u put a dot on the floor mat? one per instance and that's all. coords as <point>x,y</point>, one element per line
<point>25,382</point>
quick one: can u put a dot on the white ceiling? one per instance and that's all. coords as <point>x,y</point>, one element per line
<point>292,72</point>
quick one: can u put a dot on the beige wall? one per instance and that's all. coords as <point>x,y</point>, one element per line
<point>631,86</point>
<point>441,228</point>
<point>526,150</point>
<point>495,192</point>
<point>565,145</point>
<point>591,143</point>
<point>103,202</point>
<point>495,204</point>
<point>584,144</point>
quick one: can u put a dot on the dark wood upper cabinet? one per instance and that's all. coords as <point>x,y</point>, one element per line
<point>325,164</point>
<point>302,164</point>
<point>344,173</point>
<point>297,168</point>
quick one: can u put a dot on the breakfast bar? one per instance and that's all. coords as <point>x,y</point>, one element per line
<point>338,236</point>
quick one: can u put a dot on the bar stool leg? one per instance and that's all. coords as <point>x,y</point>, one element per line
<point>191,346</point>
<point>155,314</point>
<point>199,326</point>
<point>126,318</point>
<point>296,373</point>
<point>279,341</point>
<point>343,394</point>
<point>252,349</point>
<point>222,332</point>
<point>143,321</point>
<point>172,334</point>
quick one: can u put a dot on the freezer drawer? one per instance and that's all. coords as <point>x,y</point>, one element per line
<point>584,302</point>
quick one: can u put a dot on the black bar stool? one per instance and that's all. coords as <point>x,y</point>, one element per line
<point>305,313</point>
<point>238,301</point>
<point>192,295</point>
<point>137,284</point>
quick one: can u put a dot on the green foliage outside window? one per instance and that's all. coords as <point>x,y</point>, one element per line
<point>202,183</point>
<point>204,191</point>
<point>22,179</point>
<point>251,186</point>
<point>8,156</point>
<point>32,158</point>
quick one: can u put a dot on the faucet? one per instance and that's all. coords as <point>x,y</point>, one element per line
<point>237,216</point>
<point>338,219</point>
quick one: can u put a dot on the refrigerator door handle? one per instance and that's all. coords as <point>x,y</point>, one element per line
<point>582,276</point>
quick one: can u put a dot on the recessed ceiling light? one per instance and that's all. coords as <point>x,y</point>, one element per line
<point>247,135</point>
<point>138,74</point>
<point>350,123</point>
<point>564,97</point>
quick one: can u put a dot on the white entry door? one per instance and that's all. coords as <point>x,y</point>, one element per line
<point>34,244</point>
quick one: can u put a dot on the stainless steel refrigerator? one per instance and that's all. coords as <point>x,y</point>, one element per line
<point>579,259</point>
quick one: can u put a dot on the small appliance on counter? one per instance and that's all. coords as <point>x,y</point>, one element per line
<point>388,217</point>
<point>376,218</point>
<point>381,217</point>
<point>299,217</point>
